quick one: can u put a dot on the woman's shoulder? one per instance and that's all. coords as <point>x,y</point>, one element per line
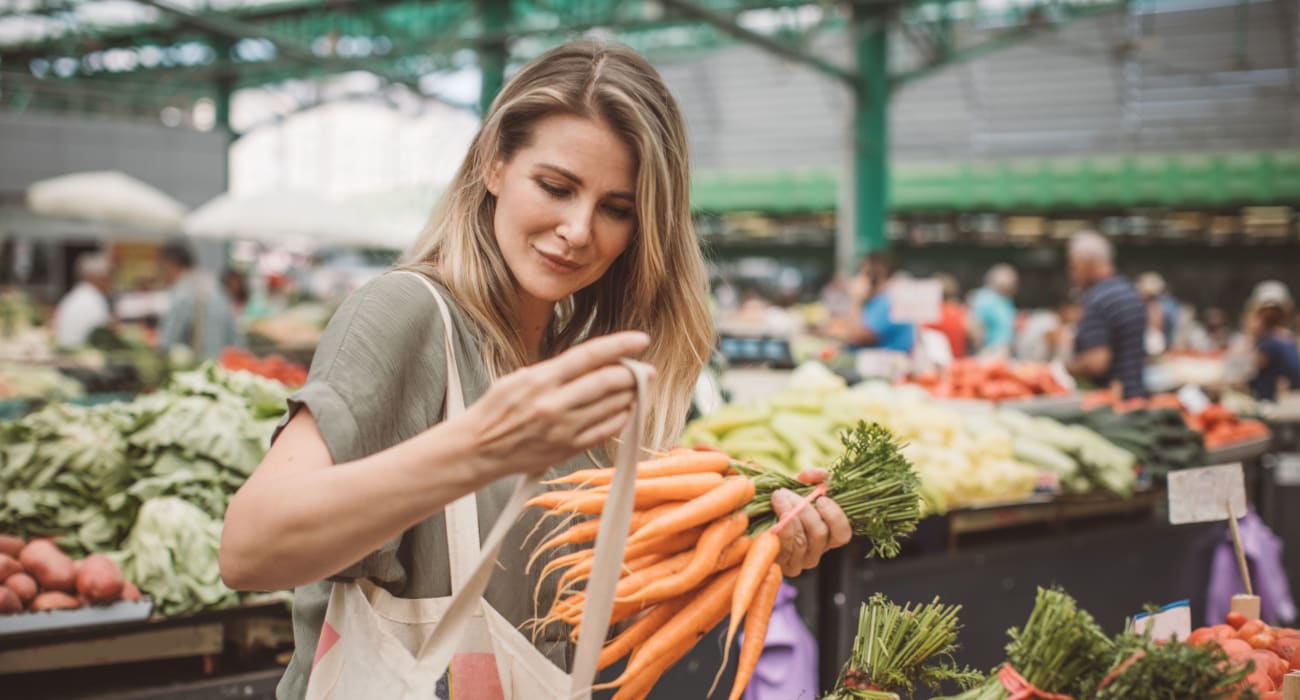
<point>393,307</point>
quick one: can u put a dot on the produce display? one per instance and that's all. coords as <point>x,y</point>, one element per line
<point>992,380</point>
<point>272,366</point>
<point>893,649</point>
<point>1265,653</point>
<point>965,454</point>
<point>88,475</point>
<point>1159,438</point>
<point>1219,425</point>
<point>703,546</point>
<point>36,382</point>
<point>38,576</point>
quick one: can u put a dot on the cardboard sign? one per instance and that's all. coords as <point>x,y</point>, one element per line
<point>915,301</point>
<point>1193,399</point>
<point>1202,495</point>
<point>1173,620</point>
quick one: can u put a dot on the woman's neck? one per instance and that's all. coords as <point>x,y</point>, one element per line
<point>534,318</point>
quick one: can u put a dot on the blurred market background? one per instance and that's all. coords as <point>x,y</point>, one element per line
<point>293,148</point>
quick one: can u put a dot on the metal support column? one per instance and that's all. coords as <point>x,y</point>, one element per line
<point>492,54</point>
<point>871,130</point>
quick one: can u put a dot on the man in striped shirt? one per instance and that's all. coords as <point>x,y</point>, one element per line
<point>1108,345</point>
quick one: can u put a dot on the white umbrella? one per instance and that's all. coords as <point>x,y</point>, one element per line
<point>106,196</point>
<point>394,218</point>
<point>276,217</point>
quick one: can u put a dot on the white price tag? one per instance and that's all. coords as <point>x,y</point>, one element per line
<point>1173,620</point>
<point>1062,377</point>
<point>1202,495</point>
<point>1286,472</point>
<point>915,301</point>
<point>1193,399</point>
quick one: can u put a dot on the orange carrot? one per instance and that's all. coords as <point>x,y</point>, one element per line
<point>649,493</point>
<point>676,637</point>
<point>665,545</point>
<point>587,530</point>
<point>639,631</point>
<point>756,619</point>
<point>704,560</point>
<point>733,494</point>
<point>753,572</point>
<point>676,462</point>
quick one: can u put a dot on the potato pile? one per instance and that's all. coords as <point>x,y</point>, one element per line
<point>38,576</point>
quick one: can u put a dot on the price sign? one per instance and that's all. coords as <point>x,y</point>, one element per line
<point>1202,495</point>
<point>915,301</point>
<point>1193,399</point>
<point>1173,620</point>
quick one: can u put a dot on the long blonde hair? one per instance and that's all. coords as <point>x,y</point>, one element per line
<point>658,285</point>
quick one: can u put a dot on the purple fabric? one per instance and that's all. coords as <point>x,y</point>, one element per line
<point>1268,577</point>
<point>787,669</point>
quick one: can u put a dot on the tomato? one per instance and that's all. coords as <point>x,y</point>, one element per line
<point>1236,619</point>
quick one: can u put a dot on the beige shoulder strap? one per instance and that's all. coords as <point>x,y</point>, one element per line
<point>462,514</point>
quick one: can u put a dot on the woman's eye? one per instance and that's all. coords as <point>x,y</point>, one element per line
<point>618,212</point>
<point>553,190</point>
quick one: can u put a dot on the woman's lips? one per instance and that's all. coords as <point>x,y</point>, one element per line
<point>558,263</point>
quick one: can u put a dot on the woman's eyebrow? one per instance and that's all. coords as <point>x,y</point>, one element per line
<point>570,175</point>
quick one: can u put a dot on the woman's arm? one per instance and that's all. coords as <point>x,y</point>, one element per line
<point>300,518</point>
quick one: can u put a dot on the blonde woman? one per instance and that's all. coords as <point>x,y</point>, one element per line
<point>564,244</point>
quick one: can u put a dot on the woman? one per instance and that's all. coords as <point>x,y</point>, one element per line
<point>568,222</point>
<point>1276,357</point>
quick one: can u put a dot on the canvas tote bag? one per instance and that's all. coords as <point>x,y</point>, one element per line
<point>376,646</point>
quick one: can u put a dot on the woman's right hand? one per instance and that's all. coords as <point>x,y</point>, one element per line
<point>544,414</point>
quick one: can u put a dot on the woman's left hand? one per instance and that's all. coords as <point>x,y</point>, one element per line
<point>819,527</point>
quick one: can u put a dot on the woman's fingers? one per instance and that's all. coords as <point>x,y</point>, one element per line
<point>837,523</point>
<point>579,419</point>
<point>603,431</point>
<point>597,352</point>
<point>596,385</point>
<point>794,541</point>
<point>817,533</point>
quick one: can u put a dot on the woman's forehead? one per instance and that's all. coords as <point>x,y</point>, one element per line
<point>586,150</point>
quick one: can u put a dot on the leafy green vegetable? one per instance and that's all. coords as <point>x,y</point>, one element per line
<point>893,649</point>
<point>1145,670</point>
<point>172,554</point>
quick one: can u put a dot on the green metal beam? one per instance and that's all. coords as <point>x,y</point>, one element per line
<point>729,26</point>
<point>870,32</point>
<point>492,55</point>
<point>1005,39</point>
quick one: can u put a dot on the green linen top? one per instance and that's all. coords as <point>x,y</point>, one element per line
<point>378,378</point>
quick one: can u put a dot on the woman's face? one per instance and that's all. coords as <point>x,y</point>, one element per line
<point>565,207</point>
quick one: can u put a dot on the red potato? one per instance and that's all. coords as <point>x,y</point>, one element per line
<point>11,545</point>
<point>9,566</point>
<point>99,580</point>
<point>9,602</point>
<point>23,585</point>
<point>51,567</point>
<point>130,593</point>
<point>55,600</point>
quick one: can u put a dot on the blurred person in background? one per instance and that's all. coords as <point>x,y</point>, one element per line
<point>85,307</point>
<point>953,321</point>
<point>871,327</point>
<point>1269,312</point>
<point>1163,312</point>
<point>199,313</point>
<point>1048,334</point>
<point>994,310</point>
<point>1109,345</point>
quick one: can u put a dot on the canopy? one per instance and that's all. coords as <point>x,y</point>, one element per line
<point>385,220</point>
<point>106,197</point>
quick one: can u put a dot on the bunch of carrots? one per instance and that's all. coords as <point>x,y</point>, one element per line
<point>703,545</point>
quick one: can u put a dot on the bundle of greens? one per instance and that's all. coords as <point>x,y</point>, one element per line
<point>893,648</point>
<point>1147,670</point>
<point>1060,650</point>
<point>171,554</point>
<point>871,481</point>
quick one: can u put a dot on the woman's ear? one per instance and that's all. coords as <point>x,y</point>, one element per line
<point>492,178</point>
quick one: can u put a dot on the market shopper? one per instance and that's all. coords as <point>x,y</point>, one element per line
<point>85,307</point>
<point>994,309</point>
<point>870,325</point>
<point>1109,342</point>
<point>568,222</point>
<point>199,314</point>
<point>1276,359</point>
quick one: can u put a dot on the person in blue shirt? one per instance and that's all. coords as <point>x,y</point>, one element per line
<point>994,308</point>
<point>1276,356</point>
<point>870,290</point>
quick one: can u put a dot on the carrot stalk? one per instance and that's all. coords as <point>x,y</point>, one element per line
<point>704,560</point>
<point>672,464</point>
